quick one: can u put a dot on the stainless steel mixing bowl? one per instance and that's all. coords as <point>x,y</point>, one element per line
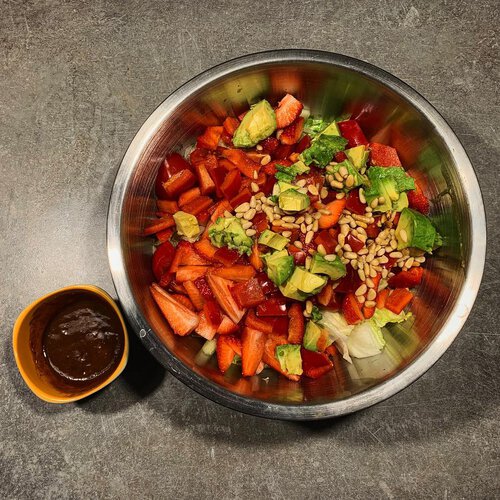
<point>389,112</point>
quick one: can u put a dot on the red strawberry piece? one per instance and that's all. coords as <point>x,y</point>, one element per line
<point>202,285</point>
<point>350,282</point>
<point>273,307</point>
<point>221,288</point>
<point>418,201</point>
<point>231,184</point>
<point>252,349</point>
<point>282,152</point>
<point>227,326</point>
<point>303,144</point>
<point>261,324</point>
<point>205,329</point>
<point>230,125</point>
<point>398,300</point>
<point>288,110</point>
<point>292,133</point>
<point>315,364</point>
<point>383,156</point>
<point>407,279</point>
<point>351,131</point>
<point>340,157</point>
<point>351,309</point>
<point>268,287</point>
<point>190,273</point>
<point>179,317</point>
<point>225,353</point>
<point>249,293</point>
<point>269,144</point>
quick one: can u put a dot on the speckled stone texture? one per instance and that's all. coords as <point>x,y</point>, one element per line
<point>77,80</point>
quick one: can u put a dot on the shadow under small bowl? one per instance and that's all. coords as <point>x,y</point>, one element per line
<point>390,112</point>
<point>36,380</point>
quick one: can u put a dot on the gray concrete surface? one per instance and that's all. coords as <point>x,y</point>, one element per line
<point>77,80</point>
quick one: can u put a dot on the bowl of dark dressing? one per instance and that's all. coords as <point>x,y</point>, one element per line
<point>70,343</point>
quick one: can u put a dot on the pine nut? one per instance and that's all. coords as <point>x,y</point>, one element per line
<point>244,207</point>
<point>288,218</point>
<point>347,248</point>
<point>370,257</point>
<point>337,184</point>
<point>409,262</point>
<point>316,216</point>
<point>308,219</point>
<point>341,239</point>
<point>394,244</point>
<point>315,226</point>
<point>354,264</point>
<point>246,225</point>
<point>227,214</point>
<point>374,203</point>
<point>373,273</point>
<point>300,220</point>
<point>349,182</point>
<point>250,214</point>
<point>350,255</point>
<point>371,294</point>
<point>323,193</point>
<point>362,198</point>
<point>396,255</point>
<point>343,171</point>
<point>308,262</point>
<point>361,290</point>
<point>313,190</point>
<point>370,303</point>
<point>288,225</point>
<point>286,234</point>
<point>421,259</point>
<point>381,200</point>
<point>323,211</point>
<point>254,187</point>
<point>339,196</point>
<point>329,257</point>
<point>361,275</point>
<point>253,202</point>
<point>265,160</point>
<point>259,147</point>
<point>250,232</point>
<point>361,299</point>
<point>309,306</point>
<point>301,183</point>
<point>321,249</point>
<point>403,235</point>
<point>370,282</point>
<point>303,228</point>
<point>309,237</point>
<point>339,176</point>
<point>298,244</point>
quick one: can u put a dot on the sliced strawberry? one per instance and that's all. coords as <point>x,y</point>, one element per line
<point>194,295</point>
<point>263,325</point>
<point>210,138</point>
<point>221,290</point>
<point>315,364</point>
<point>296,324</point>
<point>212,313</point>
<point>179,317</point>
<point>231,185</point>
<point>368,312</point>
<point>205,329</point>
<point>292,133</point>
<point>227,326</point>
<point>248,293</point>
<point>162,259</point>
<point>407,279</point>
<point>382,298</point>
<point>418,201</point>
<point>164,235</point>
<point>225,353</point>
<point>398,300</point>
<point>205,249</point>
<point>184,301</point>
<point>238,272</point>
<point>269,144</point>
<point>189,257</point>
<point>190,273</point>
<point>288,110</point>
<point>351,309</point>
<point>198,205</point>
<point>252,349</point>
<point>179,182</point>
<point>335,208</point>
<point>189,195</point>
<point>383,156</point>
<point>202,285</point>
<point>282,152</point>
<point>280,327</point>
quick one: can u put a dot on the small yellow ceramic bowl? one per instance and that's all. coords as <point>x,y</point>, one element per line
<point>36,381</point>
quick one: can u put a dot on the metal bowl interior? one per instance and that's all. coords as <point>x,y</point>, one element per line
<point>389,112</point>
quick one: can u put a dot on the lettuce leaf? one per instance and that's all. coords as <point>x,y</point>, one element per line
<point>338,330</point>
<point>314,126</point>
<point>323,149</point>
<point>384,316</point>
<point>365,340</point>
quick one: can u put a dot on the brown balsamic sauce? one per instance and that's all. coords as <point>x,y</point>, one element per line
<point>77,340</point>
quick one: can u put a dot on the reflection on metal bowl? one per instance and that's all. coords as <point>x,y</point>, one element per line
<point>389,112</point>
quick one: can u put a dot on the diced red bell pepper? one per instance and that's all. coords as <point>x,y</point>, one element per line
<point>303,144</point>
<point>382,298</point>
<point>179,182</point>
<point>351,309</point>
<point>207,158</point>
<point>315,364</point>
<point>268,287</point>
<point>231,184</point>
<point>167,206</point>
<point>372,230</point>
<point>351,131</point>
<point>327,239</point>
<point>280,326</point>
<point>207,185</point>
<point>368,312</point>
<point>354,204</point>
<point>162,259</point>
<point>198,205</point>
<point>210,138</point>
<point>292,133</point>
<point>245,165</point>
<point>248,293</point>
<point>189,195</point>
<point>272,307</point>
<point>269,144</point>
<point>263,325</point>
<point>230,125</point>
<point>354,243</point>
<point>243,196</point>
<point>350,282</point>
<point>255,260</point>
<point>296,324</point>
<point>237,272</point>
<point>159,225</point>
<point>282,152</point>
<point>164,235</point>
<point>325,295</point>
<point>218,175</point>
<point>299,256</point>
<point>205,249</point>
<point>173,164</point>
<point>398,300</point>
<point>226,256</point>
<point>383,156</point>
<point>407,279</point>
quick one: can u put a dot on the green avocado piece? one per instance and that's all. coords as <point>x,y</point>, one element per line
<point>186,224</point>
<point>307,282</point>
<point>358,156</point>
<point>290,359</point>
<point>273,240</point>
<point>257,124</point>
<point>293,201</point>
<point>335,269</point>
<point>312,335</point>
<point>332,129</point>
<point>228,232</point>
<point>401,202</point>
<point>285,186</point>
<point>420,233</point>
<point>279,266</point>
<point>292,292</point>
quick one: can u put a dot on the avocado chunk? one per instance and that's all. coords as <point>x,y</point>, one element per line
<point>307,282</point>
<point>279,266</point>
<point>228,232</point>
<point>290,359</point>
<point>334,269</point>
<point>284,186</point>
<point>332,129</point>
<point>401,202</point>
<point>418,231</point>
<point>313,335</point>
<point>186,224</point>
<point>257,124</point>
<point>357,156</point>
<point>288,174</point>
<point>293,201</point>
<point>292,292</point>
<point>351,169</point>
<point>273,240</point>
<point>389,183</point>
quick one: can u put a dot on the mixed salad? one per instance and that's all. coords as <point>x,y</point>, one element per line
<point>286,239</point>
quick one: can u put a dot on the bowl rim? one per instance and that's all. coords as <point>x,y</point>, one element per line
<point>409,374</point>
